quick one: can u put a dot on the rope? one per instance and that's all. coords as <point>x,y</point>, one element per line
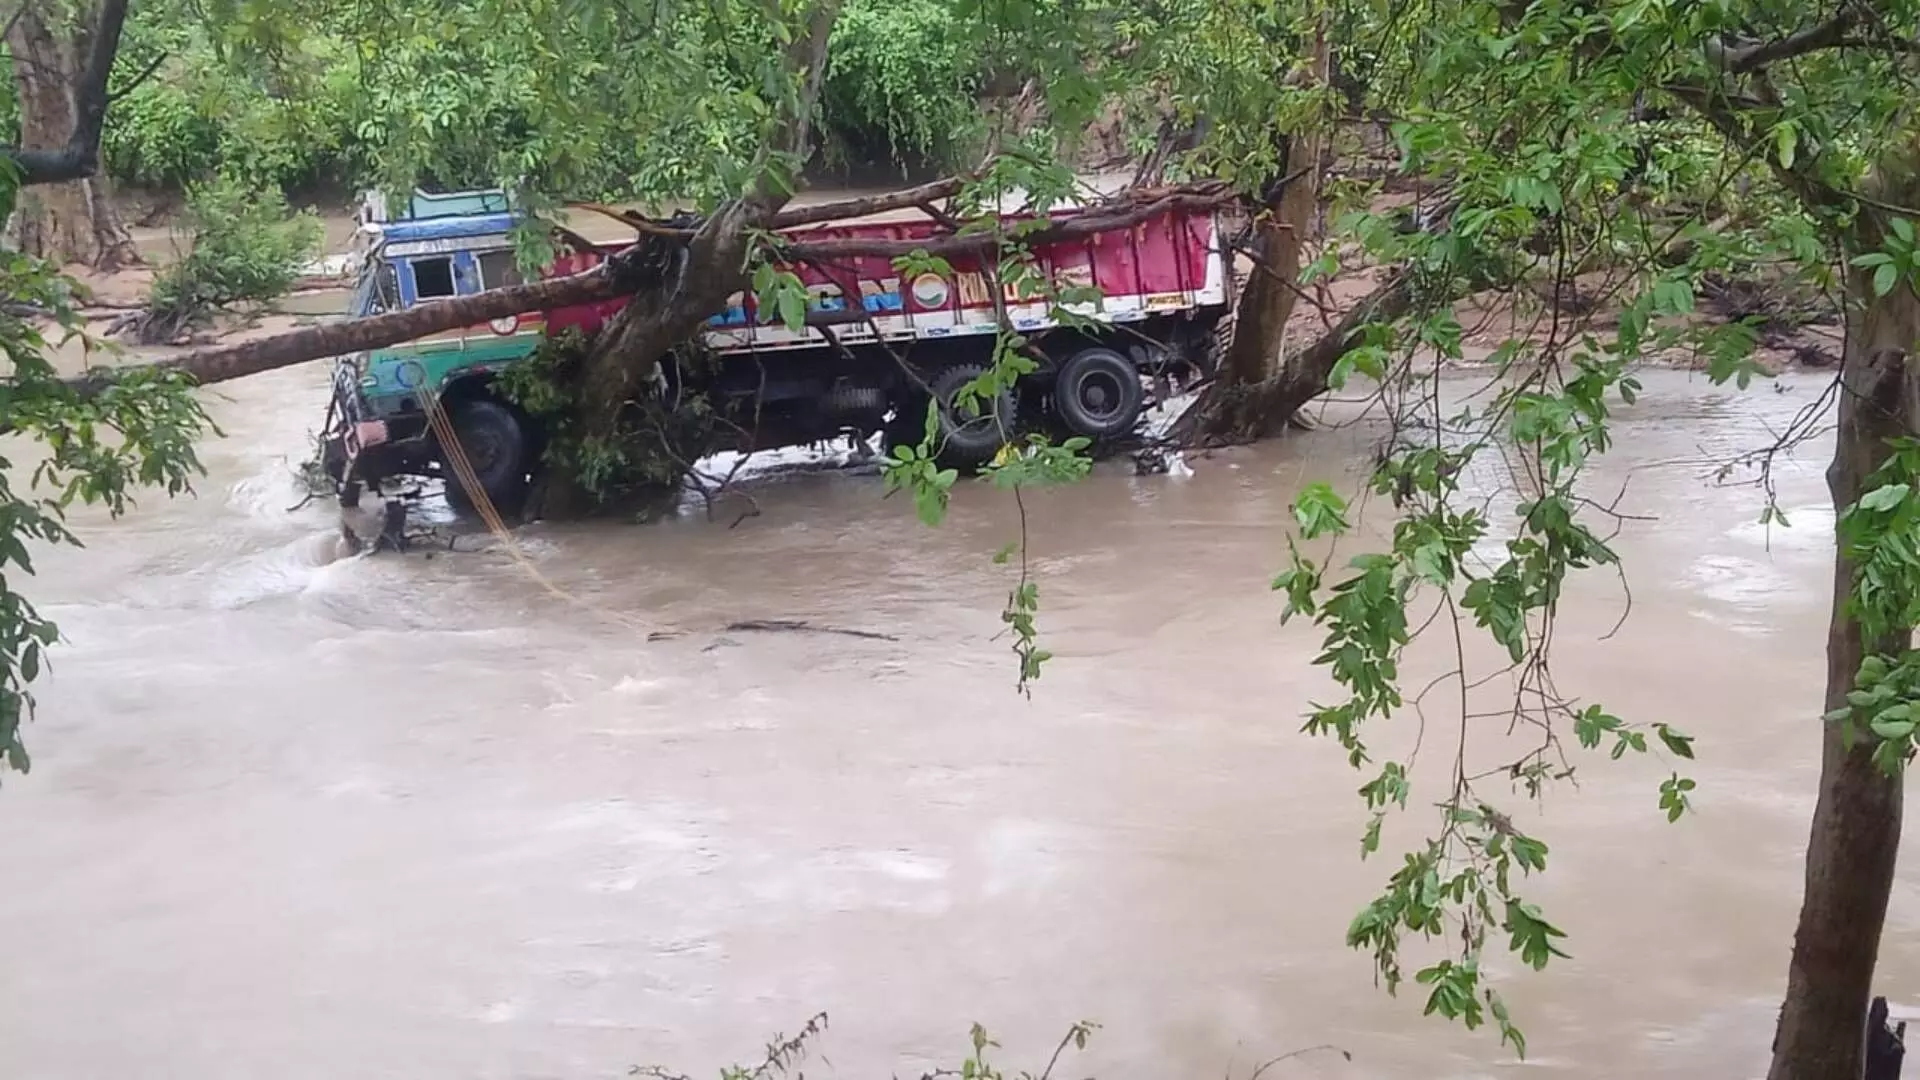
<point>469,481</point>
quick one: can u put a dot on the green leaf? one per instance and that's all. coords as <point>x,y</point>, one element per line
<point>793,309</point>
<point>1673,296</point>
<point>1429,563</point>
<point>1893,728</point>
<point>1625,18</point>
<point>1903,229</point>
<point>1677,744</point>
<point>1885,497</point>
<point>1884,278</point>
<point>1320,511</point>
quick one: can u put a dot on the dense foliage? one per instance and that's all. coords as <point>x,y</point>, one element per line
<point>242,246</point>
<point>476,94</point>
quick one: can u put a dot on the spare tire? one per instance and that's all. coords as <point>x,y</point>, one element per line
<point>970,435</point>
<point>1098,394</point>
<point>496,446</point>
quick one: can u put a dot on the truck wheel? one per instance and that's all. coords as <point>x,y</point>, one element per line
<point>496,447</point>
<point>1098,394</point>
<point>969,438</point>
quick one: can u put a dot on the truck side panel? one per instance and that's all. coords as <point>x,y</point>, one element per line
<point>1167,264</point>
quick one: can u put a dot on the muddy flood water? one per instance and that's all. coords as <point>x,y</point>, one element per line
<point>303,816</point>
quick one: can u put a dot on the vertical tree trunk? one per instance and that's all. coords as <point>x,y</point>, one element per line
<point>1235,408</point>
<point>74,222</point>
<point>627,351</point>
<point>1856,822</point>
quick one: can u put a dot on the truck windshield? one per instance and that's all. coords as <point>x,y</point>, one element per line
<point>376,291</point>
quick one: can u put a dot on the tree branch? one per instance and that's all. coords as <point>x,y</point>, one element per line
<point>1305,374</point>
<point>145,74</point>
<point>794,217</point>
<point>1749,58</point>
<point>869,204</point>
<point>611,279</point>
<point>1097,220</point>
<point>1715,108</point>
<point>80,158</point>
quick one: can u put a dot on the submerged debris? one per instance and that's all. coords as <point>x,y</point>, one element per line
<point>801,626</point>
<point>1160,460</point>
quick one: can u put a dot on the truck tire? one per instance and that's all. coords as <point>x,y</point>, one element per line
<point>969,439</point>
<point>496,444</point>
<point>1098,394</point>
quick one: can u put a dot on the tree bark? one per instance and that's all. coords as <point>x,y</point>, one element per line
<point>1855,836</point>
<point>71,221</point>
<point>626,352</point>
<point>613,278</point>
<point>1234,408</point>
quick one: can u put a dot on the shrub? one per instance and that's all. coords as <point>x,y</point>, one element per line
<point>902,74</point>
<point>161,138</point>
<point>246,246</point>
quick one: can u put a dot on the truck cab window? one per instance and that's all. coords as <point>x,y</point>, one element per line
<point>432,278</point>
<point>499,270</point>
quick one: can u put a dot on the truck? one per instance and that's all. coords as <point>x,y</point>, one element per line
<point>876,343</point>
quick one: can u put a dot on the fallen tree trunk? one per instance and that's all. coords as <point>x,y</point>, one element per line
<point>618,276</point>
<point>798,216</point>
<point>621,275</point>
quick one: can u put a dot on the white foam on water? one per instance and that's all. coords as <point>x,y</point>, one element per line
<point>635,686</point>
<point>266,496</point>
<point>905,865</point>
<point>854,880</point>
<point>305,564</point>
<point>1738,582</point>
<point>662,827</point>
<point>501,1012</point>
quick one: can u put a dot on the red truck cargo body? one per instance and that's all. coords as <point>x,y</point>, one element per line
<point>1165,265</point>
